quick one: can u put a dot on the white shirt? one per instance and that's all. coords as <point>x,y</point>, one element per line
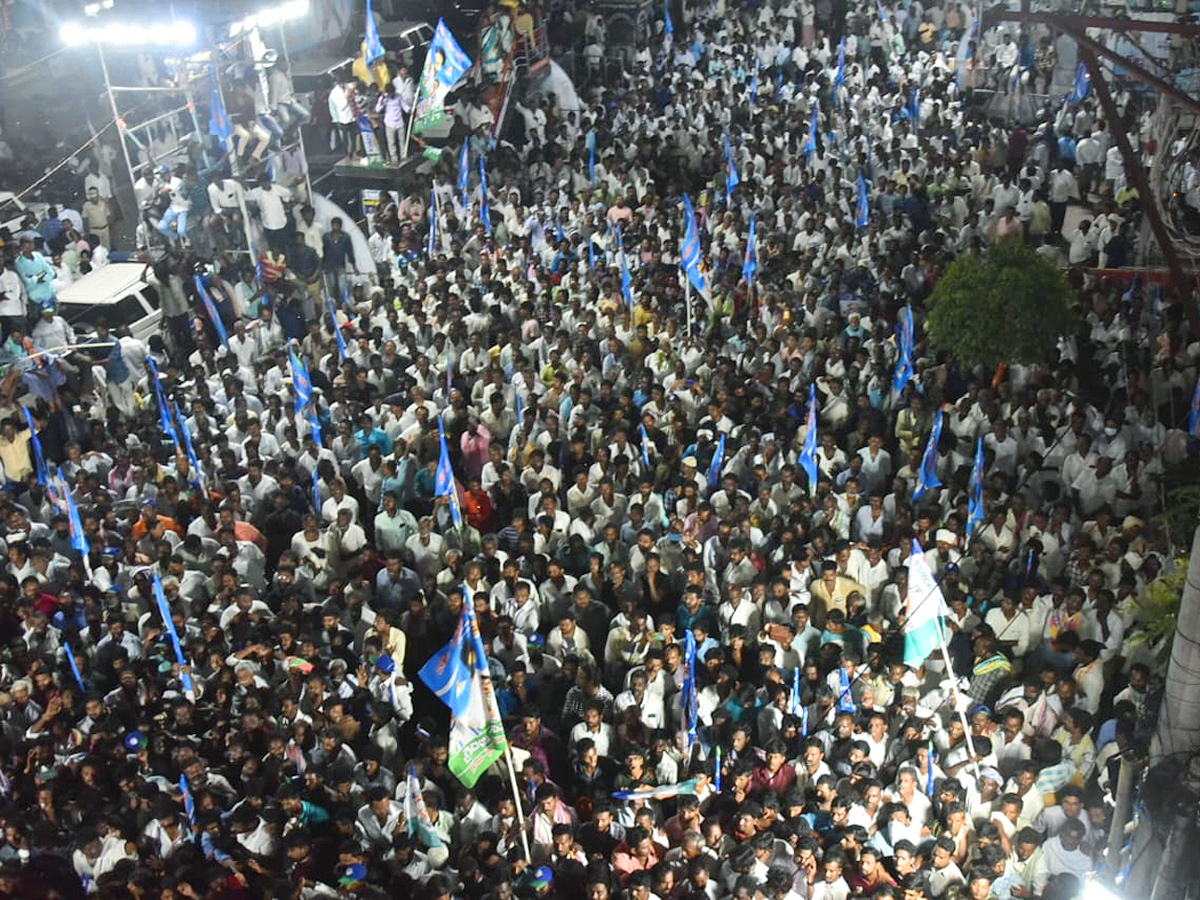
<point>271,206</point>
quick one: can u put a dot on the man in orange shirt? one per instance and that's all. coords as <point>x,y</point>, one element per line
<point>150,522</point>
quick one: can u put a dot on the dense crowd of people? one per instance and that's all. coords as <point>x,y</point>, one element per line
<point>631,473</point>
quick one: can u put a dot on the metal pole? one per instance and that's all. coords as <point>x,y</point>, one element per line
<point>1130,769</point>
<point>516,789</point>
<point>687,300</point>
<point>112,102</point>
<point>961,715</point>
<point>299,127</point>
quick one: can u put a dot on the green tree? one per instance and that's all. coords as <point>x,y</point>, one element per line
<point>1008,304</point>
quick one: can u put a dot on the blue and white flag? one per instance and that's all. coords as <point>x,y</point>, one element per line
<point>592,162</point>
<point>645,447</point>
<point>660,792</point>
<point>778,83</point>
<point>668,25</point>
<point>808,456</point>
<point>591,254</point>
<point>79,541</point>
<point>927,474</point>
<point>164,610</point>
<point>975,491</point>
<point>464,173</point>
<point>316,491</point>
<point>718,460</point>
<point>796,705</point>
<point>731,173</point>
<point>447,673</point>
<point>862,210</point>
<point>810,146</point>
<point>431,244</point>
<point>904,346</point>
<point>914,108</point>
<point>690,698</point>
<point>374,49</point>
<point>750,260</point>
<point>443,480</point>
<point>845,702</point>
<point>189,802</point>
<point>689,255</point>
<point>219,125</point>
<point>1194,414</point>
<point>932,755</point>
<point>211,310</point>
<point>39,458</point>
<point>839,77</point>
<point>754,83</point>
<point>924,610</point>
<point>485,211</point>
<point>1083,84</point>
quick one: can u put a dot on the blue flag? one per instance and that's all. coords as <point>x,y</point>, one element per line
<point>431,242</point>
<point>904,347</point>
<point>485,211</point>
<point>219,125</point>
<point>690,699</point>
<point>211,311</point>
<point>164,411</point>
<point>374,48</point>
<point>808,456</point>
<point>927,475</point>
<point>464,173</point>
<point>845,695</point>
<point>79,541</point>
<point>914,108</point>
<point>731,173</point>
<point>796,705</point>
<point>689,255</point>
<point>810,146</point>
<point>337,332</point>
<point>1194,415</point>
<point>718,460</point>
<point>193,459</point>
<point>189,802</point>
<point>559,234</point>
<point>39,457</point>
<point>717,768</point>
<point>750,260</point>
<point>443,481</point>
<point>668,25</point>
<point>591,254</point>
<point>75,667</point>
<point>316,491</point>
<point>164,610</point>
<point>929,770</point>
<point>626,278</point>
<point>883,16</point>
<point>592,162</point>
<point>645,447</point>
<point>839,77</point>
<point>301,383</point>
<point>975,491</point>
<point>754,83</point>
<point>862,210</point>
<point>1082,86</point>
<point>778,83</point>
<point>520,409</point>
<point>447,673</point>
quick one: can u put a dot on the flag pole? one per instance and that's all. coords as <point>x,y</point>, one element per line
<point>958,709</point>
<point>687,299</point>
<point>516,791</point>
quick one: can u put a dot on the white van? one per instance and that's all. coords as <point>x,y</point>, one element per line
<point>117,294</point>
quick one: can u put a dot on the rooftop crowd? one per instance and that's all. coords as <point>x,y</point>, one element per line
<point>598,532</point>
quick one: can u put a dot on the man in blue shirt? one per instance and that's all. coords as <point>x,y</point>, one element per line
<point>338,250</point>
<point>36,273</point>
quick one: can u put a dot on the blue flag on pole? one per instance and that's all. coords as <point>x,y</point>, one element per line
<point>464,173</point>
<point>211,311</point>
<point>690,704</point>
<point>929,770</point>
<point>301,383</point>
<point>904,347</point>
<point>717,768</point>
<point>39,458</point>
<point>795,704</point>
<point>485,211</point>
<point>592,162</point>
<point>626,278</point>
<point>845,695</point>
<point>447,672</point>
<point>591,254</point>
<point>1194,415</point>
<point>808,456</point>
<point>862,210</point>
<point>337,332</point>
<point>645,446</point>
<point>316,490</point>
<point>754,83</point>
<point>164,610</point>
<point>164,411</point>
<point>975,491</point>
<point>689,254</point>
<point>431,242</point>
<point>1083,84</point>
<point>718,460</point>
<point>750,261</point>
<point>839,77</point>
<point>927,475</point>
<point>219,125</point>
<point>189,802</point>
<point>668,25</point>
<point>79,541</point>
<point>810,146</point>
<point>731,173</point>
<point>74,667</point>
<point>374,46</point>
<point>193,460</point>
<point>443,480</point>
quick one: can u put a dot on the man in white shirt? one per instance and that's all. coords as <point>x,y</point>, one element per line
<point>272,200</point>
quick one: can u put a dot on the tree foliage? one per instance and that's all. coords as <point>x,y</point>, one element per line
<point>1008,304</point>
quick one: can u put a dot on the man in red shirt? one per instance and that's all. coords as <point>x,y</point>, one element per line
<point>778,775</point>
